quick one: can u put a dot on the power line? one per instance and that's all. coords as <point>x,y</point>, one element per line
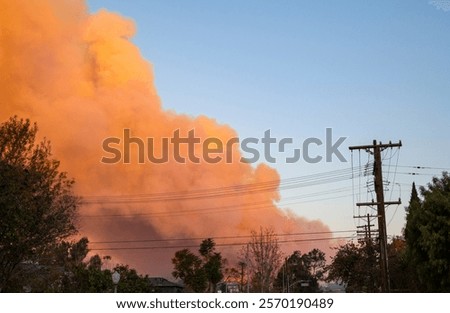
<point>425,167</point>
<point>218,237</point>
<point>236,190</point>
<point>225,191</point>
<point>416,174</point>
<point>229,208</point>
<point>217,245</point>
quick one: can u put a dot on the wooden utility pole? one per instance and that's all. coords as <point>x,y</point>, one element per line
<point>242,264</point>
<point>367,228</point>
<point>376,149</point>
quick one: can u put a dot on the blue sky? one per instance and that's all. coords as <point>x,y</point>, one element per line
<point>368,69</point>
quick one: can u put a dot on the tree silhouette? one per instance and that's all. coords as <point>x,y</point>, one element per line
<point>37,206</point>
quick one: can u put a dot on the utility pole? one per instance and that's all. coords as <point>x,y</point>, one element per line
<point>248,276</point>
<point>369,247</point>
<point>376,149</point>
<point>367,228</point>
<point>242,264</point>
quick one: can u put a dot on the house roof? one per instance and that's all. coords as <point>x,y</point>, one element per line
<point>162,282</point>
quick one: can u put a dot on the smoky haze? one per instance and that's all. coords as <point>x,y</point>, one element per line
<point>82,80</point>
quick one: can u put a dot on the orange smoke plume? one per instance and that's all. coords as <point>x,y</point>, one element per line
<point>82,80</point>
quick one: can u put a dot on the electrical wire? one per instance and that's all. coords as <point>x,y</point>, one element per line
<point>219,237</point>
<point>222,209</point>
<point>217,244</point>
<point>425,167</point>
<point>225,191</point>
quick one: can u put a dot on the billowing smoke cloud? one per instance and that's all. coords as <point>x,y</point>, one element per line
<point>81,79</point>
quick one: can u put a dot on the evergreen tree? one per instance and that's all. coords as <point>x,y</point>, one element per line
<point>427,234</point>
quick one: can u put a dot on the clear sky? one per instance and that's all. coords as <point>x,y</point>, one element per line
<point>367,69</point>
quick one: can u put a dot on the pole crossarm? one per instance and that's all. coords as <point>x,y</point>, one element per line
<point>364,216</point>
<point>380,145</point>
<point>377,203</point>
